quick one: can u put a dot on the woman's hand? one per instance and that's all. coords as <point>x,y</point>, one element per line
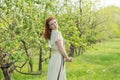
<point>69,59</point>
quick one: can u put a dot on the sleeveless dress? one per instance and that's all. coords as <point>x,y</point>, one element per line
<point>56,67</point>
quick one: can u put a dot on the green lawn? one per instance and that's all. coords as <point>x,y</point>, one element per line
<point>102,62</point>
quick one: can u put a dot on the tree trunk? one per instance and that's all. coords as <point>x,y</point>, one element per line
<point>79,51</point>
<point>6,73</point>
<point>72,49</point>
<point>40,59</point>
<point>30,65</point>
<point>80,5</point>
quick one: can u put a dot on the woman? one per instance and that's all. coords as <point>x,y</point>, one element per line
<point>56,68</point>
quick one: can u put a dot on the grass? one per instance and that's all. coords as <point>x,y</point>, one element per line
<point>102,62</point>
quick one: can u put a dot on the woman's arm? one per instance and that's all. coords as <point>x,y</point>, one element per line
<point>62,50</point>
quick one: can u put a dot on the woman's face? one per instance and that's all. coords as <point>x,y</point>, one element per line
<point>53,24</point>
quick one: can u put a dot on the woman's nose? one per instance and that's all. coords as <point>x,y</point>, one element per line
<point>55,24</point>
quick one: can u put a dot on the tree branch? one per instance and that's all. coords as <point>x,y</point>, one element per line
<point>22,65</point>
<point>7,65</point>
<point>26,73</point>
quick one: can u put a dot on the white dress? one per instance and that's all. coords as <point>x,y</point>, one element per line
<point>56,67</point>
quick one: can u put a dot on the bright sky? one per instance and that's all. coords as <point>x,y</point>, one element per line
<point>105,3</point>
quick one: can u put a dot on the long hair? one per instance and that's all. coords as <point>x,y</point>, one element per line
<point>47,32</point>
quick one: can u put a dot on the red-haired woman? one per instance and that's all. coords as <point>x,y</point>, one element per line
<point>56,68</point>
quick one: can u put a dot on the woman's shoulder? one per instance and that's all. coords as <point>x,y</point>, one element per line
<point>56,32</point>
